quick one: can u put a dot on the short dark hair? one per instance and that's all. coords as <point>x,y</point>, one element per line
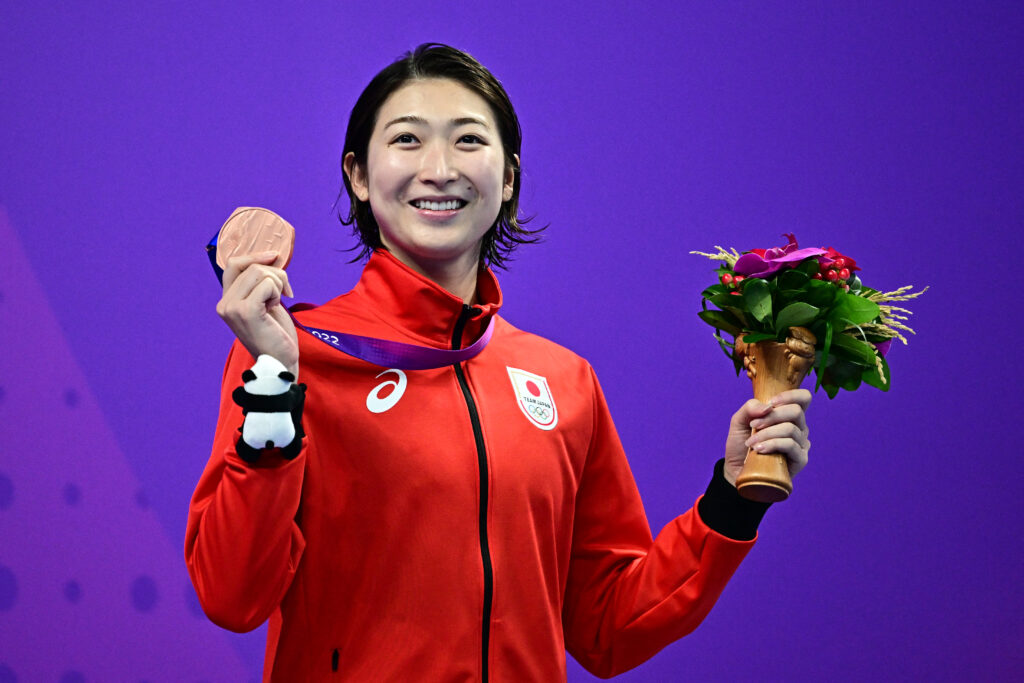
<point>435,60</point>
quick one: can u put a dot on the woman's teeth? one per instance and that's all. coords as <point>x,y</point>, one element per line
<point>438,206</point>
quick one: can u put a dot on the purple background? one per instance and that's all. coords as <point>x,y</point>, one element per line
<point>890,130</point>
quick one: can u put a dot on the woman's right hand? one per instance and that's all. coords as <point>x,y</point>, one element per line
<point>251,306</point>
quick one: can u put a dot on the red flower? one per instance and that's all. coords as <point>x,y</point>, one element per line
<point>831,256</point>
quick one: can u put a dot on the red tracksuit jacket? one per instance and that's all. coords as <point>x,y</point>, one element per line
<point>467,523</point>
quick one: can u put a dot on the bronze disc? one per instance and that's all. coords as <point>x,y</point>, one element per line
<point>252,230</point>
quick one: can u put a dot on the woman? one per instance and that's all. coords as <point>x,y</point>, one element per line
<point>468,522</point>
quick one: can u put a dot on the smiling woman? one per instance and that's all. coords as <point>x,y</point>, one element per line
<point>436,177</point>
<point>438,62</point>
<point>471,519</point>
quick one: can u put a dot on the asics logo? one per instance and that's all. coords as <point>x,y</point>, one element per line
<point>377,404</point>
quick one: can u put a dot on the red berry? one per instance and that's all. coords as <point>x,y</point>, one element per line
<point>818,276</point>
<point>844,274</point>
<point>831,276</point>
<point>726,278</point>
<point>736,293</point>
<point>840,263</point>
<point>738,279</point>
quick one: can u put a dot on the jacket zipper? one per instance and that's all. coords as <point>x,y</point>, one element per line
<point>481,455</point>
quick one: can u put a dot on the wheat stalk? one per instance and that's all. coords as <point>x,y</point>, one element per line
<point>891,318</point>
<point>728,257</point>
<point>896,295</point>
<point>878,366</point>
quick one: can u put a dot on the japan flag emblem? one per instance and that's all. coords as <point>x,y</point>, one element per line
<point>534,398</point>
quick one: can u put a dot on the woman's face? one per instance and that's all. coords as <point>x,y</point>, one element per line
<point>435,174</point>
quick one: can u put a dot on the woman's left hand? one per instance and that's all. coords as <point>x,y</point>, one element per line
<point>781,428</point>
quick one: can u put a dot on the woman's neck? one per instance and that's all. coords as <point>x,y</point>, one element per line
<point>458,277</point>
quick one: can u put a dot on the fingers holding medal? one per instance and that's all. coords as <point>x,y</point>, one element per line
<point>253,248</point>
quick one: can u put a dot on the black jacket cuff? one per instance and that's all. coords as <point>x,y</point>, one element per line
<point>723,508</point>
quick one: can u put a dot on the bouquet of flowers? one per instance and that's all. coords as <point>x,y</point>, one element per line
<point>763,293</point>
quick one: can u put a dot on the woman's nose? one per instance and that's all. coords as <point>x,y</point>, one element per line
<point>437,166</point>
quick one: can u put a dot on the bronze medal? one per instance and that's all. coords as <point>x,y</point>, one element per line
<point>252,230</point>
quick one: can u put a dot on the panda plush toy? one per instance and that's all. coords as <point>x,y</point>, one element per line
<point>272,405</point>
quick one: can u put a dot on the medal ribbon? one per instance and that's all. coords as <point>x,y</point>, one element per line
<point>392,354</point>
<point>382,352</point>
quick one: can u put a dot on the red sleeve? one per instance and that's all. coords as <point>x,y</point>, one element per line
<point>242,545</point>
<point>629,596</point>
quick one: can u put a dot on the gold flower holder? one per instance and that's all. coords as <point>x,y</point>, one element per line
<point>773,367</point>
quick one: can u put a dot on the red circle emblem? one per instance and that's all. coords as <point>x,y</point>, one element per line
<point>532,387</point>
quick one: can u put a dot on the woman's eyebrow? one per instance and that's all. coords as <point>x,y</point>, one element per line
<point>406,119</point>
<point>469,119</point>
<point>419,120</point>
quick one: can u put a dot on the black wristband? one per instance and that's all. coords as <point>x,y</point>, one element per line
<point>723,508</point>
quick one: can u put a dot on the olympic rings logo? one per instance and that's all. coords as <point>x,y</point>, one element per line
<point>539,412</point>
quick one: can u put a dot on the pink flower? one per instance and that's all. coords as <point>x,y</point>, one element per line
<point>764,263</point>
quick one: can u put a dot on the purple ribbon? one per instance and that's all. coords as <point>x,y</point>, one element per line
<point>392,354</point>
<point>387,354</point>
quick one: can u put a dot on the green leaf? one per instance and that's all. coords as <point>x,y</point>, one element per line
<point>741,316</point>
<point>758,299</point>
<point>870,376</point>
<point>823,363</point>
<point>831,389</point>
<point>820,294</point>
<point>855,310</point>
<point>726,300</point>
<point>846,375</point>
<point>797,313</point>
<point>858,351</point>
<point>713,290</point>
<point>726,346</point>
<point>809,266</point>
<point>792,279</point>
<point>757,336</point>
<point>731,304</point>
<point>722,321</point>
<point>729,350</point>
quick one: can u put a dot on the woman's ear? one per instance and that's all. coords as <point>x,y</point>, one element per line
<point>510,179</point>
<point>356,177</point>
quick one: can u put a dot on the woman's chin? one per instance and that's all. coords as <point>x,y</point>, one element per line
<point>435,248</point>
